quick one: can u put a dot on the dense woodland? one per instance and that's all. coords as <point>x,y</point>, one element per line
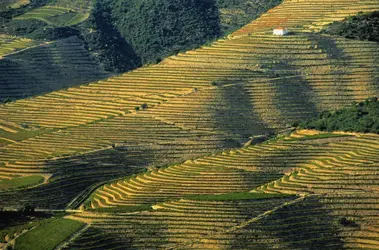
<point>124,34</point>
<point>157,28</point>
<point>362,27</point>
<point>358,117</point>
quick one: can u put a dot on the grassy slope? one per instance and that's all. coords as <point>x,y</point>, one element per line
<point>55,16</point>
<point>83,6</point>
<point>234,196</point>
<point>49,235</point>
<point>13,223</point>
<point>11,44</point>
<point>11,4</point>
<point>318,136</point>
<point>21,182</point>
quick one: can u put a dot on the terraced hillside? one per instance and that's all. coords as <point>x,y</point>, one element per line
<point>155,158</point>
<point>306,15</point>
<point>11,44</point>
<point>39,67</point>
<point>79,5</point>
<point>273,88</point>
<point>229,90</point>
<point>334,178</point>
<point>55,16</point>
<point>10,4</point>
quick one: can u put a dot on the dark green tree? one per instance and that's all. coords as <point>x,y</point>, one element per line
<point>358,117</point>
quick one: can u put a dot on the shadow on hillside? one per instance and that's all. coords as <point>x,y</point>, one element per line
<point>303,225</point>
<point>93,237</point>
<point>108,45</point>
<point>234,113</point>
<point>339,90</point>
<point>129,235</point>
<point>43,69</point>
<point>294,100</point>
<point>15,87</point>
<point>74,175</point>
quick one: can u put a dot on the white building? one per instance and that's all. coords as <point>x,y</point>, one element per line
<point>280,31</point>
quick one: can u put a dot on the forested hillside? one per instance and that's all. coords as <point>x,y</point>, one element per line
<point>361,26</point>
<point>123,35</point>
<point>358,117</point>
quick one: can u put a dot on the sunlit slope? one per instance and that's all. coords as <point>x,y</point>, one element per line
<point>45,67</point>
<point>79,5</point>
<point>175,182</point>
<point>346,179</point>
<point>238,170</point>
<point>232,89</point>
<point>12,4</point>
<point>11,44</point>
<point>282,79</point>
<point>60,13</point>
<point>55,16</point>
<point>213,97</point>
<point>336,177</point>
<point>109,149</point>
<point>307,15</point>
<point>264,71</point>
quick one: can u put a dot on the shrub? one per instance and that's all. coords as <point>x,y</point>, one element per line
<point>348,223</point>
<point>24,125</point>
<point>362,117</point>
<point>361,26</point>
<point>7,100</point>
<point>27,210</point>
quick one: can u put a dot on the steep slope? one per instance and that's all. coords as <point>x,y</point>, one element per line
<point>326,73</point>
<point>55,16</point>
<point>335,177</point>
<point>358,117</point>
<point>11,4</point>
<point>158,122</point>
<point>108,37</point>
<point>157,29</point>
<point>362,27</point>
<point>78,5</point>
<point>235,14</point>
<point>46,67</point>
<point>11,44</point>
<point>219,95</point>
<point>306,16</point>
